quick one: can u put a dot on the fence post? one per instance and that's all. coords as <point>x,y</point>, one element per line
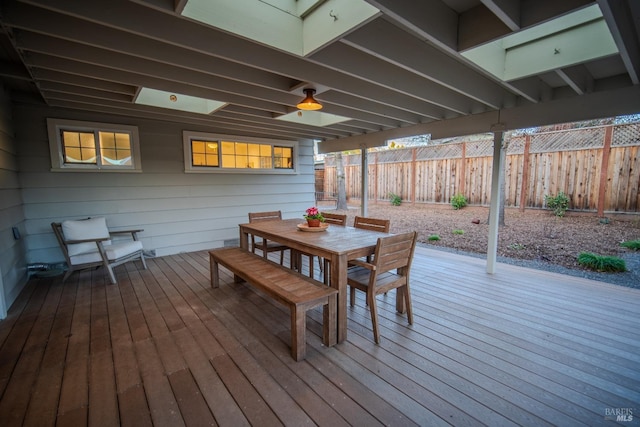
<point>525,173</point>
<point>604,169</point>
<point>414,155</point>
<point>462,175</point>
<point>375,178</point>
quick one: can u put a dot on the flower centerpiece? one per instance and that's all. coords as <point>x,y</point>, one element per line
<point>313,217</point>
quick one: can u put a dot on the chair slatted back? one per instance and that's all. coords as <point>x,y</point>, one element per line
<point>395,252</point>
<point>374,224</point>
<point>335,219</point>
<point>262,244</point>
<point>265,216</point>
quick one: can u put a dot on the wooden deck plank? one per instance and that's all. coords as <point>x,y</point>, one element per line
<point>103,401</point>
<point>163,348</point>
<point>74,393</point>
<point>134,411</point>
<point>193,407</point>
<point>160,398</point>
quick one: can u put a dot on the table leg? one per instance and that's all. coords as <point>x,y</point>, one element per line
<point>244,239</point>
<point>338,280</point>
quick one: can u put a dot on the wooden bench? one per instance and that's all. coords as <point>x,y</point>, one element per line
<point>286,286</point>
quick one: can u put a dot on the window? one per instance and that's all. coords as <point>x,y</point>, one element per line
<point>224,153</point>
<point>88,146</point>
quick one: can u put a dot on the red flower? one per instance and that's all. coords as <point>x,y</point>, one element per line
<point>313,213</point>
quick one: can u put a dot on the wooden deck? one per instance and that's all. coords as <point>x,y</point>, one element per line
<point>520,347</point>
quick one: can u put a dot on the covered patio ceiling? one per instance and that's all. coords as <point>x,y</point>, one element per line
<point>381,68</point>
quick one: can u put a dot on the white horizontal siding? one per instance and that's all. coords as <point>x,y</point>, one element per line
<point>179,212</point>
<point>12,252</point>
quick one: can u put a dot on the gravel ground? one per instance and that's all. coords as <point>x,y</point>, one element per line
<point>535,239</point>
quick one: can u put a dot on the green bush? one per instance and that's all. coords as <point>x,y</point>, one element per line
<point>558,204</point>
<point>632,244</point>
<point>458,231</point>
<point>395,199</point>
<point>434,238</point>
<point>602,263</point>
<point>458,201</point>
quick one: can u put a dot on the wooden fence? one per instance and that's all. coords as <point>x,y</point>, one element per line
<point>597,167</point>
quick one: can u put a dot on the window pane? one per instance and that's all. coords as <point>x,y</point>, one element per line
<point>78,147</point>
<point>107,140</point>
<point>228,161</point>
<point>228,148</point>
<point>204,153</point>
<point>115,148</point>
<point>283,157</point>
<point>241,148</point>
<point>212,147</point>
<point>254,162</point>
<point>198,159</point>
<point>265,150</point>
<point>123,141</point>
<point>197,147</point>
<point>87,139</point>
<point>253,150</point>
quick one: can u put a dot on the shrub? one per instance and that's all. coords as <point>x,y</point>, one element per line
<point>558,204</point>
<point>458,231</point>
<point>458,201</point>
<point>395,199</point>
<point>434,238</point>
<point>631,244</point>
<point>601,263</point>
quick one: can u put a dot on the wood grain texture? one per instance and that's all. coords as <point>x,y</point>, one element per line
<point>519,347</point>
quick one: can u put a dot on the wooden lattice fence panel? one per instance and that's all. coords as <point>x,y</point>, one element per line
<point>568,140</point>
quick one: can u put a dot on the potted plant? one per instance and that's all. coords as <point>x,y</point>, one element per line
<point>313,217</point>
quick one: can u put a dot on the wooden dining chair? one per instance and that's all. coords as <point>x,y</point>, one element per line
<point>323,264</point>
<point>335,219</point>
<point>388,270</point>
<point>262,244</point>
<point>373,224</point>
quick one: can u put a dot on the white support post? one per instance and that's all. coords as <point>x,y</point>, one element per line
<point>494,206</point>
<point>364,180</point>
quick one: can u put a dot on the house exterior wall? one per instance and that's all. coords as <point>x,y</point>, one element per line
<point>178,211</point>
<point>12,251</point>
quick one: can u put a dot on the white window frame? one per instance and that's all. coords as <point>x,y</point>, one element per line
<point>188,136</point>
<point>55,126</point>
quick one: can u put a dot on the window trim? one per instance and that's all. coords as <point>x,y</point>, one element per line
<point>188,136</point>
<point>54,128</point>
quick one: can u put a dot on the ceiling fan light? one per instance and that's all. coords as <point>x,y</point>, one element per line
<point>309,102</point>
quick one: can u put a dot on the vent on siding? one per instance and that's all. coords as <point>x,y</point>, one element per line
<point>232,243</point>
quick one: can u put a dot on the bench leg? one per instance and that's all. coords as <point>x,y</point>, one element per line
<point>215,276</point>
<point>298,332</point>
<point>329,321</point>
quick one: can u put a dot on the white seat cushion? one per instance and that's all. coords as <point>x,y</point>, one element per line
<point>93,228</point>
<point>114,251</point>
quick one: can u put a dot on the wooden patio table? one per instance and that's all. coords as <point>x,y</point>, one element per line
<point>337,244</point>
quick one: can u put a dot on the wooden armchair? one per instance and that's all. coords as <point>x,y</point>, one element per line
<point>87,243</point>
<point>388,270</point>
<point>262,244</point>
